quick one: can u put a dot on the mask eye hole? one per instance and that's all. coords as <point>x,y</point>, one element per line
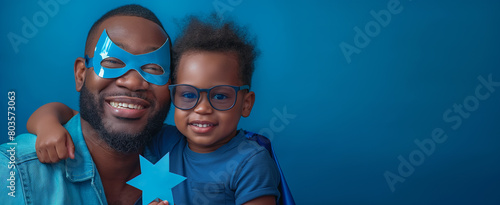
<point>152,68</point>
<point>111,62</point>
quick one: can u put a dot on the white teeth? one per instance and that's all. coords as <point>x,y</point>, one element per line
<point>126,105</point>
<point>202,125</point>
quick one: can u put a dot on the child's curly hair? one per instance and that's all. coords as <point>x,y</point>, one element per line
<point>215,35</point>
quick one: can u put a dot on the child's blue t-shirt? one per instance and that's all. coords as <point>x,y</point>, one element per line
<point>237,172</point>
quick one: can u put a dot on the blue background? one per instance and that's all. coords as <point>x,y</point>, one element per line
<point>346,123</point>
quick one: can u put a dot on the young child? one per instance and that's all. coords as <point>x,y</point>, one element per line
<point>211,77</point>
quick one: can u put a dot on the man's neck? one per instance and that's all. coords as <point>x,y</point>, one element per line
<point>114,168</point>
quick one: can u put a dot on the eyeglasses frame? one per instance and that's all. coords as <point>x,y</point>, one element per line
<point>199,91</point>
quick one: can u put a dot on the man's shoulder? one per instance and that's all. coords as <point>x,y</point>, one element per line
<point>168,129</point>
<point>23,147</point>
<point>166,139</point>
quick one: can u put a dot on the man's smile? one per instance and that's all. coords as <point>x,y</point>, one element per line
<point>127,107</point>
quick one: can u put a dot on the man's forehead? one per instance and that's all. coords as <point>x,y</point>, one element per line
<point>134,34</point>
<point>128,48</point>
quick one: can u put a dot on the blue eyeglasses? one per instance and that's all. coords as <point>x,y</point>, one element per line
<point>221,97</point>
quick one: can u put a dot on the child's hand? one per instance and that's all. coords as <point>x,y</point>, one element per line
<point>159,203</point>
<point>54,143</point>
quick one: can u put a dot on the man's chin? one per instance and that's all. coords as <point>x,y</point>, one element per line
<point>122,135</point>
<point>126,139</point>
<point>125,129</point>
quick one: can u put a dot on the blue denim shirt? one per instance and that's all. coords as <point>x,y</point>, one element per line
<point>25,180</point>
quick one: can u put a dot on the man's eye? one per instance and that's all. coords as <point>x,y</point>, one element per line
<point>112,63</point>
<point>153,69</point>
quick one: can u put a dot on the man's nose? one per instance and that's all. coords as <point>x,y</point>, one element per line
<point>132,80</point>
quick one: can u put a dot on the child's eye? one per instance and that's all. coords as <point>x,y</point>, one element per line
<point>219,97</point>
<point>189,95</point>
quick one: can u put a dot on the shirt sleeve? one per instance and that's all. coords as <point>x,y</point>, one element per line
<point>258,176</point>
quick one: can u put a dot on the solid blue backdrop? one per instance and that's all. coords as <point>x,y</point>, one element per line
<point>366,102</point>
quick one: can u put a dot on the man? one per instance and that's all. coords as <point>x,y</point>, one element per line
<point>124,98</point>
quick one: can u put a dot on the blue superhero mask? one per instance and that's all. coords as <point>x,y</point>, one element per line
<point>111,61</point>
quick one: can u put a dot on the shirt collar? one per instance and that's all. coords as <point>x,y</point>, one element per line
<point>82,167</point>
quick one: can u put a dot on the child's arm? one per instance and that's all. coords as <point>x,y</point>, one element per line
<point>159,203</point>
<point>258,178</point>
<point>263,200</point>
<point>53,141</point>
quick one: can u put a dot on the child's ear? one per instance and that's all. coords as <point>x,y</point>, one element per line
<point>248,101</point>
<point>80,70</point>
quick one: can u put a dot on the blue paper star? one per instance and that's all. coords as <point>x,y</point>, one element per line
<point>156,181</point>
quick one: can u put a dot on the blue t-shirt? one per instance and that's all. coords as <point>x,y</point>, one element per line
<point>237,172</point>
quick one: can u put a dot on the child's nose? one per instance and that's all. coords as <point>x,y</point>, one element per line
<point>203,106</point>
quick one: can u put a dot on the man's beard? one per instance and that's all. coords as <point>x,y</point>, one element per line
<point>91,110</point>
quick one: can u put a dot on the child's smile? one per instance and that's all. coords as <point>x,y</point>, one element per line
<point>202,127</point>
